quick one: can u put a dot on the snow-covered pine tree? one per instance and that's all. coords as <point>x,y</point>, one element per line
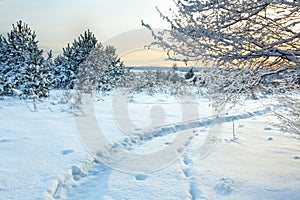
<point>61,73</point>
<point>36,77</point>
<point>2,52</point>
<point>19,52</point>
<point>67,65</point>
<point>113,71</point>
<point>102,70</point>
<point>5,67</point>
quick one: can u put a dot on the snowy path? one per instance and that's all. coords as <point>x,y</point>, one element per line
<point>42,156</point>
<point>181,180</point>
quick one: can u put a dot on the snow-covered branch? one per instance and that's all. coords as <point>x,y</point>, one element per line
<point>249,44</point>
<point>236,33</point>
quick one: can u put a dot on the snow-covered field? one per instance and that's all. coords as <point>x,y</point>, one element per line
<point>44,154</point>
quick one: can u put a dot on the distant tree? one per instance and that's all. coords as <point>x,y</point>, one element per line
<point>18,53</point>
<point>189,74</point>
<point>174,66</point>
<point>102,69</point>
<point>67,65</point>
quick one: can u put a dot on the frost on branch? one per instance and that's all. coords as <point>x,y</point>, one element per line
<point>233,33</point>
<point>245,41</point>
<point>289,113</point>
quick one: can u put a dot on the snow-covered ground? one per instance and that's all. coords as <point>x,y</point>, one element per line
<point>44,155</point>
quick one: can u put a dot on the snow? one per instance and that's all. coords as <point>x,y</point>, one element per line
<point>44,157</point>
<point>36,148</point>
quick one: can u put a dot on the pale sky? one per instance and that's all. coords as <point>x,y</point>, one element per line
<point>58,22</point>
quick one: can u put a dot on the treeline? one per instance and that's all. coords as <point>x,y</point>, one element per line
<point>25,71</point>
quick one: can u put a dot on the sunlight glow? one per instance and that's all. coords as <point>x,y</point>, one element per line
<point>60,22</point>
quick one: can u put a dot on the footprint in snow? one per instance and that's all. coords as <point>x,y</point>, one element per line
<point>5,140</point>
<point>224,187</point>
<point>187,160</point>
<point>141,177</point>
<point>180,150</point>
<point>185,145</point>
<point>268,129</point>
<point>187,172</point>
<point>188,143</point>
<point>161,100</point>
<point>168,143</point>
<point>77,173</point>
<point>195,192</point>
<point>67,151</point>
<point>296,157</point>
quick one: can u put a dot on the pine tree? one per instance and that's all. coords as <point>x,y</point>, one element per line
<point>113,71</point>
<point>2,50</point>
<point>102,70</point>
<point>20,43</point>
<point>61,74</point>
<point>67,65</point>
<point>36,78</point>
<point>19,53</point>
<point>2,53</point>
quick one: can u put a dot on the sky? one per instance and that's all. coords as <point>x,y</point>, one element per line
<point>59,22</point>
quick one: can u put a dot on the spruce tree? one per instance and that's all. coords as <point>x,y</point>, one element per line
<point>67,65</point>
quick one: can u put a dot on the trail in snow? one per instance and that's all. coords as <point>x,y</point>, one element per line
<point>263,163</point>
<point>187,170</point>
<point>94,175</point>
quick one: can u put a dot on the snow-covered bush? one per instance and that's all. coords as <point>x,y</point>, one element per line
<point>68,64</point>
<point>151,82</point>
<point>289,112</point>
